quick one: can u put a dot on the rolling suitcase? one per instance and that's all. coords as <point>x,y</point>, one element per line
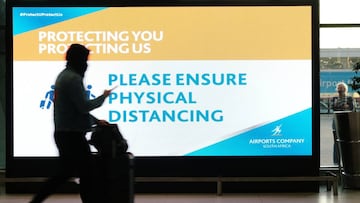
<point>114,170</point>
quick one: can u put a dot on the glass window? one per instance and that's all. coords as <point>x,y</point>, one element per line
<point>340,37</point>
<point>339,12</point>
<point>339,50</point>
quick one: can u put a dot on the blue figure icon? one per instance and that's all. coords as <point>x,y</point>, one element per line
<point>49,98</point>
<point>88,92</point>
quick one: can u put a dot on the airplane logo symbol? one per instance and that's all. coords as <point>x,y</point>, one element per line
<point>276,131</point>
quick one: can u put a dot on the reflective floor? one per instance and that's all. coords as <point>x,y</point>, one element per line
<point>324,196</point>
<point>344,196</point>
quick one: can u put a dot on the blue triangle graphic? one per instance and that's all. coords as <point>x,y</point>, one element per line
<point>290,136</point>
<point>26,19</point>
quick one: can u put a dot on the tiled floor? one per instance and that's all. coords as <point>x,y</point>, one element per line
<point>344,196</point>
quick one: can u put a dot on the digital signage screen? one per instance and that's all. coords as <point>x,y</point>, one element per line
<point>204,80</point>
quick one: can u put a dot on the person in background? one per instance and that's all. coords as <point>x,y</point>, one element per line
<point>342,102</point>
<point>72,121</point>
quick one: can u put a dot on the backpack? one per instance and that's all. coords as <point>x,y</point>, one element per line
<point>108,141</point>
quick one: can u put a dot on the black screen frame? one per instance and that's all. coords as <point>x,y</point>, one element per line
<point>177,166</point>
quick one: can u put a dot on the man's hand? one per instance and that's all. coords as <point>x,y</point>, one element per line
<point>108,92</point>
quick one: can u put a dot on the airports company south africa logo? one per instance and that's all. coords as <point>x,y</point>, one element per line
<point>277,140</point>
